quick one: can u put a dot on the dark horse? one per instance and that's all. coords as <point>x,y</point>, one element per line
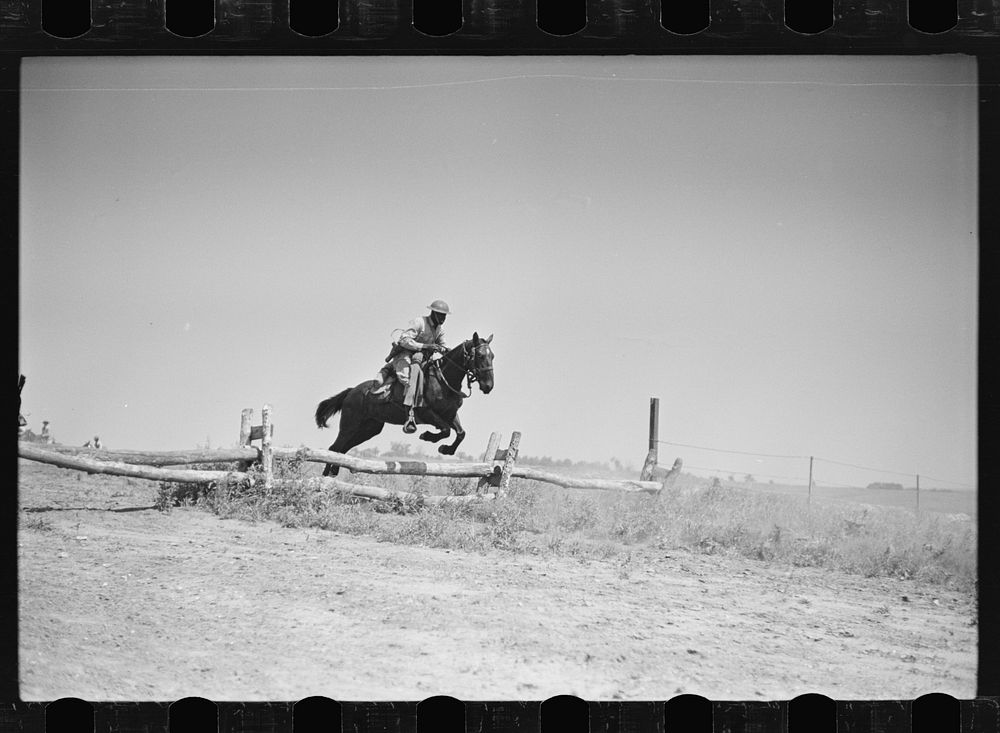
<point>362,417</point>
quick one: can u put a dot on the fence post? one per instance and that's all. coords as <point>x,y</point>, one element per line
<point>245,419</point>
<point>266,454</point>
<point>508,464</point>
<point>654,440</point>
<point>478,484</point>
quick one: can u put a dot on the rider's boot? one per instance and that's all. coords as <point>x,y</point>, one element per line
<point>411,397</point>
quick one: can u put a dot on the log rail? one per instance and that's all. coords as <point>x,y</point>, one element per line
<point>496,469</point>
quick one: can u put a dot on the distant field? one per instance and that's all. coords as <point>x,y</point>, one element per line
<point>944,502</point>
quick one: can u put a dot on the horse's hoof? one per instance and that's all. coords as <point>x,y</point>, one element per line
<point>427,435</point>
<point>446,450</point>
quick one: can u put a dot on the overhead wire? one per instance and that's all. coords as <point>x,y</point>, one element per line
<point>738,452</point>
<point>800,457</point>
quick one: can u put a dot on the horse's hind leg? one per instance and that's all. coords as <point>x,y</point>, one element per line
<point>332,469</point>
<point>368,430</point>
<point>350,439</point>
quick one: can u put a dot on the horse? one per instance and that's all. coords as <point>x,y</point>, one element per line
<point>362,417</point>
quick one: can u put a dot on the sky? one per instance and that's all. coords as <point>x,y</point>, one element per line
<point>782,250</point>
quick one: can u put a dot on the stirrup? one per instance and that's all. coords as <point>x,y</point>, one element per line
<point>411,425</point>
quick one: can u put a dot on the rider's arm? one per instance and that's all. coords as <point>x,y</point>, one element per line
<point>408,339</point>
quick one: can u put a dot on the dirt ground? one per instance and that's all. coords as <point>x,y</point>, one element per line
<point>119,601</point>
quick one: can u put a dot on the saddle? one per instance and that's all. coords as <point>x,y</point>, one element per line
<point>397,391</point>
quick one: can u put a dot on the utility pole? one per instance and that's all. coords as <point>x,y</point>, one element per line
<point>809,496</point>
<point>654,439</point>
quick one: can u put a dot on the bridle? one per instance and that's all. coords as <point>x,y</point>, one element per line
<point>472,371</point>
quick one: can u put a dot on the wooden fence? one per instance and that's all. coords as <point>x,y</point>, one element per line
<point>495,470</point>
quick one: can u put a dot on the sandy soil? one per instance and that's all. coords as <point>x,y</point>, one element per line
<point>119,601</point>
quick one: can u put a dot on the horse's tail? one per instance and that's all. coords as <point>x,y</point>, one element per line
<point>330,407</point>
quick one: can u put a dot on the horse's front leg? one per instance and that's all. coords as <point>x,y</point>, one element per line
<point>437,421</point>
<point>435,437</point>
<point>449,450</point>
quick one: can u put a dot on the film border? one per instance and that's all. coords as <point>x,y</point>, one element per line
<point>623,26</point>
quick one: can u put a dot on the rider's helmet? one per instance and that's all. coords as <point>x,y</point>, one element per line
<point>439,306</point>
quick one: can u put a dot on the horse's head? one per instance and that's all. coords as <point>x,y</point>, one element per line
<point>479,362</point>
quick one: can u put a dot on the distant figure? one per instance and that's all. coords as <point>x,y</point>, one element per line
<point>87,444</point>
<point>45,436</point>
<point>97,442</point>
<point>21,422</point>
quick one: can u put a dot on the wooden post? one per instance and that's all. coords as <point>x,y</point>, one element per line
<point>267,456</point>
<point>488,457</point>
<point>245,419</point>
<point>665,477</point>
<point>654,440</point>
<point>508,463</point>
<point>810,494</point>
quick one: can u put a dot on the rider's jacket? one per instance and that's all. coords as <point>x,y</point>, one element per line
<point>419,333</point>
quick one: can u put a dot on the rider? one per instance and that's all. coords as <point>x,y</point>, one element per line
<point>422,334</point>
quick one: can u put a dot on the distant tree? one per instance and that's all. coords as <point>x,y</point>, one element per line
<point>748,479</point>
<point>730,479</point>
<point>399,449</point>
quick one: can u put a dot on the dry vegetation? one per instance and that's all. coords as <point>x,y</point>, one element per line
<point>535,518</point>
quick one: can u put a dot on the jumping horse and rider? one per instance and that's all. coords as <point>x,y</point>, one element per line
<point>421,383</point>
